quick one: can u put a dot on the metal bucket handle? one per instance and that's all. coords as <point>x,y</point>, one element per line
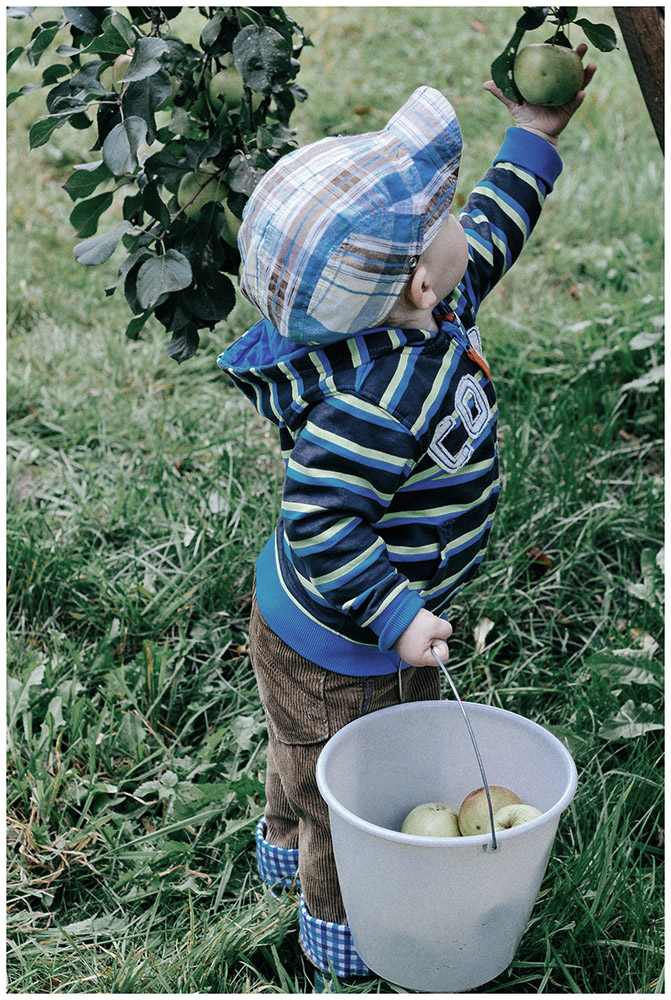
<point>489,848</point>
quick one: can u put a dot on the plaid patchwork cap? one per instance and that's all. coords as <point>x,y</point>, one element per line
<point>332,231</point>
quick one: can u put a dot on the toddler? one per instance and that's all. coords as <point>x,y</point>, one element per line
<point>369,362</point>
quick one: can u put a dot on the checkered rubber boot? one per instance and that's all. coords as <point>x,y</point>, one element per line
<point>325,942</point>
<point>278,866</point>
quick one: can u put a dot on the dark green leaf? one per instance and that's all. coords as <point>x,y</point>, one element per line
<point>13,55</point>
<point>86,82</point>
<point>262,57</point>
<point>152,204</point>
<point>180,123</point>
<point>60,92</point>
<point>39,44</point>
<point>80,121</point>
<point>195,153</point>
<point>600,35</point>
<point>121,146</point>
<point>29,88</point>
<point>84,19</point>
<point>165,166</point>
<point>243,175</point>
<point>160,275</point>
<point>41,130</point>
<point>142,97</point>
<point>146,59</point>
<point>107,117</point>
<point>172,313</point>
<point>137,257</point>
<point>85,179</point>
<point>100,248</point>
<point>565,15</point>
<point>184,344</point>
<point>502,69</point>
<point>213,299</point>
<point>124,29</point>
<point>66,106</point>
<point>281,135</point>
<point>67,51</point>
<point>210,32</point>
<point>559,38</point>
<point>85,216</point>
<point>53,73</point>
<point>532,18</point>
<point>136,324</point>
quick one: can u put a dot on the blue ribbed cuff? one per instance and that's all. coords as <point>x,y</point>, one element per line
<point>278,866</point>
<point>530,151</point>
<point>394,620</point>
<point>324,942</point>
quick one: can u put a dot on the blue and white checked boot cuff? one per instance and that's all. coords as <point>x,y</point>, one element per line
<point>324,942</point>
<point>278,866</point>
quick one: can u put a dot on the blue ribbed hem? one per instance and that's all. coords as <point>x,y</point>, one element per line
<point>324,942</point>
<point>278,866</point>
<point>530,151</point>
<point>314,641</point>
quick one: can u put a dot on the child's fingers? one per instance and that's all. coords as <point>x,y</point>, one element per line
<point>439,649</point>
<point>590,70</point>
<point>498,93</point>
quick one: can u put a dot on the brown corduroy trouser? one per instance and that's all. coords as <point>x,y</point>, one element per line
<point>304,706</point>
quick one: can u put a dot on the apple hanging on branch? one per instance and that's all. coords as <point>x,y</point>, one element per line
<point>182,132</point>
<point>548,73</point>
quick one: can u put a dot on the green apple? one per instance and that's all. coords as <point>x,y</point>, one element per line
<point>114,74</point>
<point>432,819</point>
<point>231,226</point>
<point>474,810</point>
<point>548,74</point>
<point>515,815</point>
<point>197,188</point>
<point>227,87</point>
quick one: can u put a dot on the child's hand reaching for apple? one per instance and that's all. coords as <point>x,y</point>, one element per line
<point>545,121</point>
<point>425,631</point>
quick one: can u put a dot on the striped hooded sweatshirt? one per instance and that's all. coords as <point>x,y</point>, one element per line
<point>389,441</point>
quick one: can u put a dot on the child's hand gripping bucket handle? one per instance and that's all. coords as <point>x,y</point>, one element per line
<point>490,848</point>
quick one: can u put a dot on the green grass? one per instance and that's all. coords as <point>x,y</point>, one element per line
<point>139,494</point>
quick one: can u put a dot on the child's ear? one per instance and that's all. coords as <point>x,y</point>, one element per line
<point>420,290</point>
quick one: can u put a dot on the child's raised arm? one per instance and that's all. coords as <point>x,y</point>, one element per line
<point>547,122</point>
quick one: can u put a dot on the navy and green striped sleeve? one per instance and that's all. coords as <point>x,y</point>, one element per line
<point>348,462</point>
<point>502,210</point>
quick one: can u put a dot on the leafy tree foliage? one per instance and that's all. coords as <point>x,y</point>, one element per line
<point>601,36</point>
<point>183,133</point>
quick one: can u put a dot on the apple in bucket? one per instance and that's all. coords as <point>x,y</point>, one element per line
<point>432,819</point>
<point>437,819</point>
<point>515,815</point>
<point>474,811</point>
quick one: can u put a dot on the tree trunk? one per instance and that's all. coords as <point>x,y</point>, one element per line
<point>643,33</point>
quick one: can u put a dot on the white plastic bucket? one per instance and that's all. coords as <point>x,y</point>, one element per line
<point>429,914</point>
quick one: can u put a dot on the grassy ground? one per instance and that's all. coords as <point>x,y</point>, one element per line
<point>139,494</point>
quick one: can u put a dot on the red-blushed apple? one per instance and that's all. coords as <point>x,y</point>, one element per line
<point>515,815</point>
<point>474,811</point>
<point>112,76</point>
<point>432,819</point>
